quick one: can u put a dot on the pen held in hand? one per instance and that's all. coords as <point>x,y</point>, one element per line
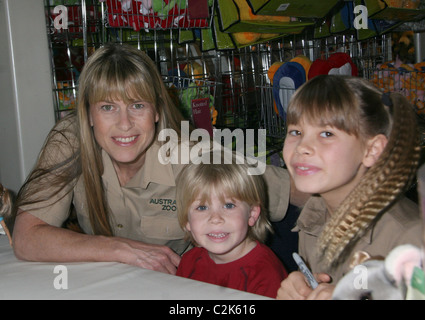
<point>304,269</point>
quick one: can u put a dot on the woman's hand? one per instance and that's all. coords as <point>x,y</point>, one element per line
<point>35,240</point>
<point>148,256</point>
<point>296,287</point>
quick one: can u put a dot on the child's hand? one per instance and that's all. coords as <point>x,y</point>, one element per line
<point>296,287</point>
<point>322,292</point>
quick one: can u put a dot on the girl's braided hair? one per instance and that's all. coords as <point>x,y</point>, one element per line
<point>379,187</point>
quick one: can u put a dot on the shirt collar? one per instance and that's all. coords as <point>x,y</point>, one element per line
<point>152,171</point>
<point>314,216</point>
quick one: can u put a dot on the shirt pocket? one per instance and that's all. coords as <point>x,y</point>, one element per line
<point>161,227</point>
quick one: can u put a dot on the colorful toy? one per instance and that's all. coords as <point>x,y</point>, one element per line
<point>304,61</point>
<point>285,79</point>
<point>407,79</point>
<point>399,277</point>
<point>272,70</point>
<point>406,4</point>
<point>66,96</point>
<point>243,38</point>
<point>194,70</point>
<point>246,14</point>
<point>289,77</point>
<point>337,63</point>
<point>152,14</point>
<point>342,64</point>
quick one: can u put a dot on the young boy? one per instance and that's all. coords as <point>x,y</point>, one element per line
<point>222,209</point>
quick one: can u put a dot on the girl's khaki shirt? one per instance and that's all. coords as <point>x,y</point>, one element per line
<point>401,224</point>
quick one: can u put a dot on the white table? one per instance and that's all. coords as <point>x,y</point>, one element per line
<point>99,280</point>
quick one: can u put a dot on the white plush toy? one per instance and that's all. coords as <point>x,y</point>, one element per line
<point>399,277</point>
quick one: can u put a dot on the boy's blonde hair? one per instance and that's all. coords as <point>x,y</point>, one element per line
<point>197,181</point>
<point>355,106</point>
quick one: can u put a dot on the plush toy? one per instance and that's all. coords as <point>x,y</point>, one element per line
<point>162,8</point>
<point>285,79</point>
<point>304,61</point>
<point>127,5</point>
<point>245,13</point>
<point>194,70</point>
<point>5,210</point>
<point>342,64</point>
<point>411,4</point>
<point>399,277</point>
<point>155,14</point>
<point>406,4</point>
<point>319,66</point>
<point>272,70</point>
<point>66,96</point>
<point>337,63</point>
<point>243,38</point>
<point>289,77</point>
<point>405,78</point>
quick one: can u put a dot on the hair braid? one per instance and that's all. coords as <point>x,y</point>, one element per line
<point>379,187</point>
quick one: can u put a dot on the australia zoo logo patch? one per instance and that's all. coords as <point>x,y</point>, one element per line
<point>166,204</point>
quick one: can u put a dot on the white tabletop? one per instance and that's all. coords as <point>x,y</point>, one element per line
<point>100,280</point>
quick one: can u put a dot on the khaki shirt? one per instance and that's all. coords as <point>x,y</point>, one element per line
<point>145,208</point>
<point>401,224</point>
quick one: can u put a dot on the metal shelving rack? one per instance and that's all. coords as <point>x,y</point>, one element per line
<point>236,79</point>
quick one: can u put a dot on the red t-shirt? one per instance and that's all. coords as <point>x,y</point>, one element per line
<point>259,271</point>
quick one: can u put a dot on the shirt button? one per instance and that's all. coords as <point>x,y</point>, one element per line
<point>120,226</point>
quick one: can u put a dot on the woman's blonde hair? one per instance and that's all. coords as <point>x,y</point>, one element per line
<point>198,181</point>
<point>114,71</point>
<point>355,106</point>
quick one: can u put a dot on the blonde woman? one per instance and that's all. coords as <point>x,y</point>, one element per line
<point>357,150</point>
<point>102,166</point>
<point>223,210</point>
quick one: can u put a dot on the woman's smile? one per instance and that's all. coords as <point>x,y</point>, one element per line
<point>126,141</point>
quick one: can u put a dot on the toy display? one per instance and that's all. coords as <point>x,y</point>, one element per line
<point>298,8</point>
<point>337,63</point>
<point>400,10</point>
<point>407,79</point>
<point>66,96</point>
<point>251,56</point>
<point>289,76</point>
<point>237,16</point>
<point>286,77</point>
<point>160,14</point>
